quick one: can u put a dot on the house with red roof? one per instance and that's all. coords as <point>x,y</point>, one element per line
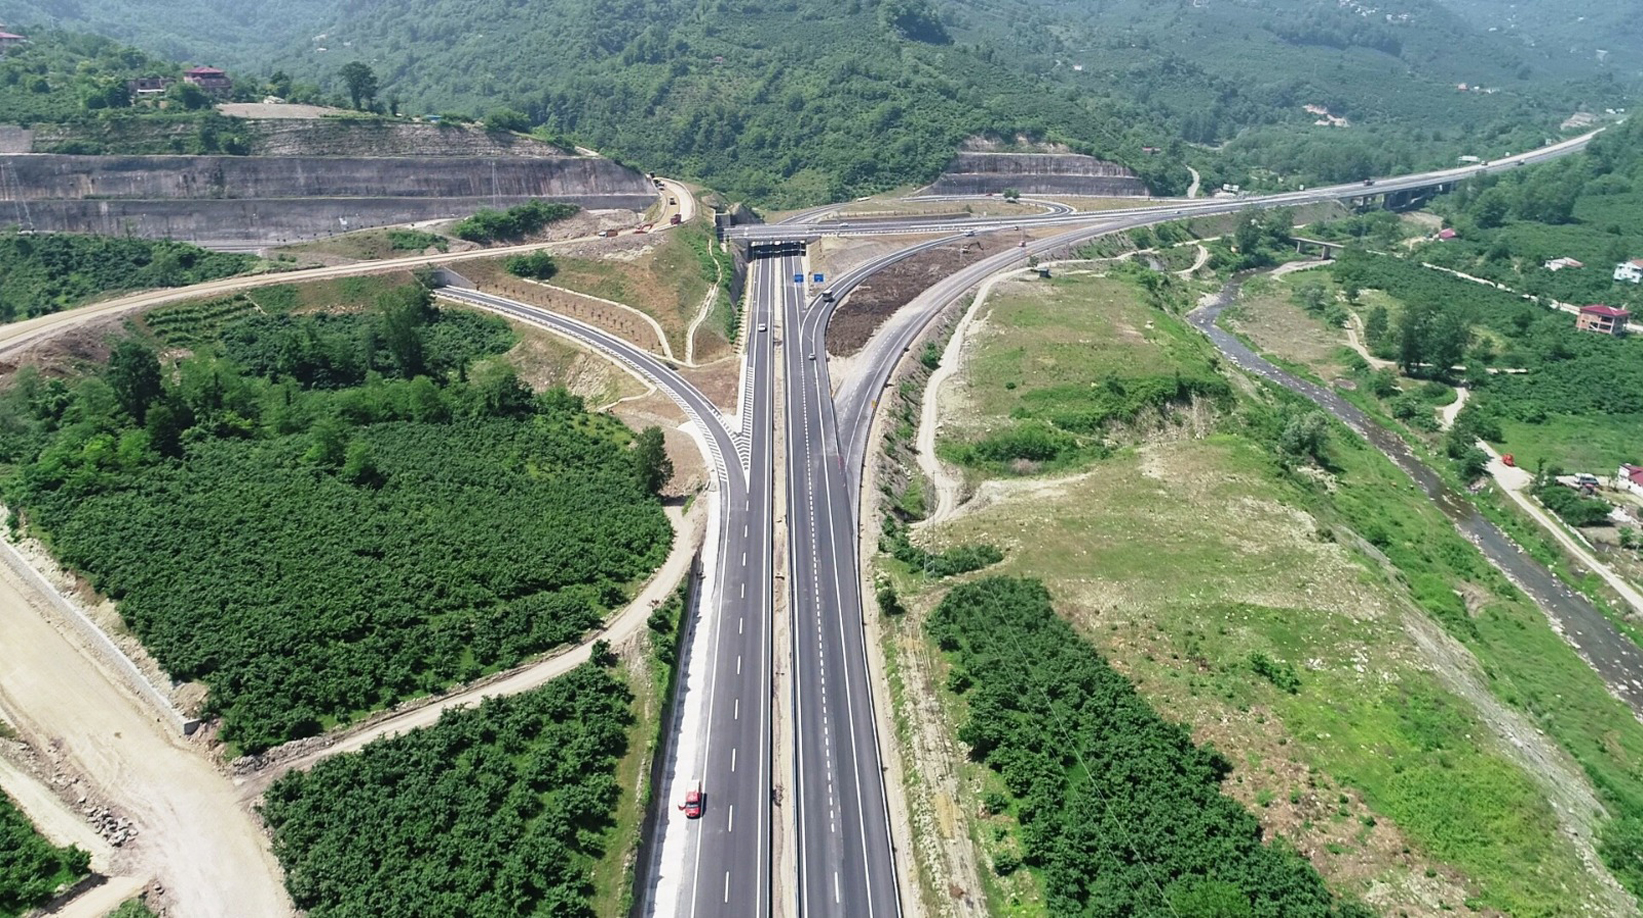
<point>9,41</point>
<point>210,79</point>
<point>1446,234</point>
<point>1607,320</point>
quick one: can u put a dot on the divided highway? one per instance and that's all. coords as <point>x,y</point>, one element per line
<point>845,857</point>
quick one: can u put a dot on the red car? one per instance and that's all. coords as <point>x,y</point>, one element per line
<point>693,804</point>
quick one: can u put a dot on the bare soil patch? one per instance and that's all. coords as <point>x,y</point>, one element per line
<point>1285,330</point>
<point>276,110</point>
<point>869,305</point>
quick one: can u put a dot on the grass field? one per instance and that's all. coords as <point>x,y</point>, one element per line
<point>1056,368</point>
<point>667,283</point>
<point>1579,444</point>
<point>1397,765</point>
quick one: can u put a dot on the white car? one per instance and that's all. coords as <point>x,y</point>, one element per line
<point>763,327</point>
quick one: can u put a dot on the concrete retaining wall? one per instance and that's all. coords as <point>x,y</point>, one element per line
<point>235,223</point>
<point>45,177</point>
<point>252,201</point>
<point>1037,173</point>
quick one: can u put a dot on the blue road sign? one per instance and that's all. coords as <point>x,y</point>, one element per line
<point>798,278</point>
<point>818,279</point>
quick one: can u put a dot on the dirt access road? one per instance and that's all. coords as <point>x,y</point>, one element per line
<point>85,724</point>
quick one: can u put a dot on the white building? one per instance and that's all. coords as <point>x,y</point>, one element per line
<point>1629,271</point>
<point>1630,478</point>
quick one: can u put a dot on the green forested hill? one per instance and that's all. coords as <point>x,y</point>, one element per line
<point>807,100</point>
<point>1566,32</point>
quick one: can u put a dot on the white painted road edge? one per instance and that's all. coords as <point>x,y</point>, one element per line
<point>678,853</point>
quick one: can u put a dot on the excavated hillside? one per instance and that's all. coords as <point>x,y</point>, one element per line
<point>984,171</point>
<point>308,179</point>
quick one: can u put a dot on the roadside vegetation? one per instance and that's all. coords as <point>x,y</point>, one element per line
<point>49,272</point>
<point>514,224</point>
<point>31,869</point>
<point>1117,808</point>
<point>1270,581</point>
<point>502,809</point>
<point>318,515</point>
<point>668,280</point>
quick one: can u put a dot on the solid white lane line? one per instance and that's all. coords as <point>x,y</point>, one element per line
<point>835,888</point>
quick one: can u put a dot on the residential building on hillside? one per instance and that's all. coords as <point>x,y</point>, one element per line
<point>9,41</point>
<point>148,87</point>
<point>1607,320</point>
<point>1629,271</point>
<point>1558,264</point>
<point>211,80</point>
<point>1630,478</point>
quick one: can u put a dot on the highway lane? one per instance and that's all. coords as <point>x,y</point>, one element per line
<point>729,869</point>
<point>845,856</point>
<point>730,873</point>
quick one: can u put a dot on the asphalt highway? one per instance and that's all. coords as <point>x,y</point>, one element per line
<point>729,873</point>
<point>846,864</point>
<point>731,870</point>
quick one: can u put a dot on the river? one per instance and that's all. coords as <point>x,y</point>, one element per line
<point>1602,645</point>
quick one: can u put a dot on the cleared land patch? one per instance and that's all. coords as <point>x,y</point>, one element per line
<point>667,279</point>
<point>1056,365</point>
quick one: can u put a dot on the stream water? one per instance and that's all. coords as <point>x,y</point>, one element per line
<point>1613,655</point>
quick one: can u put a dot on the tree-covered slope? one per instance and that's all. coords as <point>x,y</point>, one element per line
<point>1568,32</point>
<point>809,100</point>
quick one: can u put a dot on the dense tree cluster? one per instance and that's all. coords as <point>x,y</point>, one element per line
<point>949,562</point>
<point>1582,207</point>
<point>514,223</point>
<point>495,811</point>
<point>47,272</point>
<point>535,265</point>
<point>30,868</point>
<point>324,514</point>
<point>1570,372</point>
<point>1119,811</point>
